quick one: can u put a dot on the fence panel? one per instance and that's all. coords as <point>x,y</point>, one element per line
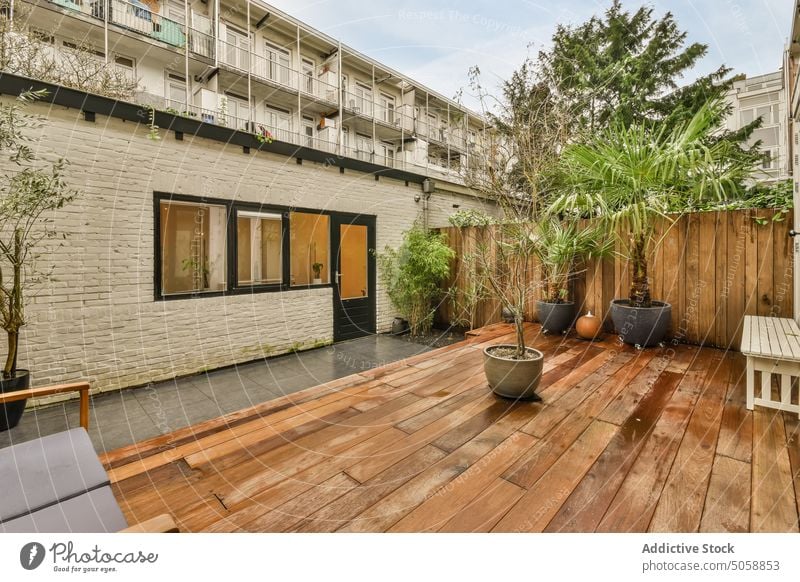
<point>713,267</point>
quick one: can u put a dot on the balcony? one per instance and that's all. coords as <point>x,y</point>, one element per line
<point>137,17</point>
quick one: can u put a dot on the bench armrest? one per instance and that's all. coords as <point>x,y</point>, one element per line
<point>160,524</point>
<point>82,387</point>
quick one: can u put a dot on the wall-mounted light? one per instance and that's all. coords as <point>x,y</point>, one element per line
<point>416,198</point>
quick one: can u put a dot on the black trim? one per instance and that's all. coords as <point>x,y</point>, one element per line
<point>231,243</point>
<point>73,98</point>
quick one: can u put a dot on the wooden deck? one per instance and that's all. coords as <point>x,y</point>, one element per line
<point>624,441</point>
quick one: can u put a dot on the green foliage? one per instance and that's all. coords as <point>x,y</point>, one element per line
<point>152,133</point>
<point>413,274</point>
<point>630,175</point>
<point>625,67</point>
<point>778,195</point>
<point>562,247</point>
<point>29,193</point>
<point>470,217</point>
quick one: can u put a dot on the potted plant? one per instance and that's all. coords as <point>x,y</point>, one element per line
<point>561,247</point>
<point>512,370</point>
<point>317,268</point>
<point>629,176</point>
<point>29,192</point>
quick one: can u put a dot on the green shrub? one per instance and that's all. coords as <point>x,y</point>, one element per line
<point>413,275</point>
<point>469,217</point>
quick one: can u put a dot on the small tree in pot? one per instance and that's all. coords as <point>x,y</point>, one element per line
<point>28,192</point>
<point>628,176</point>
<point>561,248</point>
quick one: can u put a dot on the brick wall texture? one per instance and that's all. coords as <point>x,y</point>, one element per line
<point>96,317</point>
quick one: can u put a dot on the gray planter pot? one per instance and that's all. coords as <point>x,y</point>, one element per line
<point>517,379</point>
<point>11,413</point>
<point>641,326</point>
<point>555,317</point>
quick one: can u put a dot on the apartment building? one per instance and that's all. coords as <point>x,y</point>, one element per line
<point>765,97</point>
<point>196,243</point>
<point>245,64</point>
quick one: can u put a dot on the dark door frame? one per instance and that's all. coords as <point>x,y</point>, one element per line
<point>340,316</point>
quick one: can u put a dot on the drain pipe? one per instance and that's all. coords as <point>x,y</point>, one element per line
<point>428,187</point>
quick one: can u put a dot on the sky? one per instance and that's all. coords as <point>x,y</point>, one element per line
<point>435,42</point>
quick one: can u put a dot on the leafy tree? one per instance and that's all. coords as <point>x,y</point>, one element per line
<point>628,176</point>
<point>626,66</point>
<point>29,193</point>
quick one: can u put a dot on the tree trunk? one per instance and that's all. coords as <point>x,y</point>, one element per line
<point>640,287</point>
<point>519,324</point>
<point>10,369</point>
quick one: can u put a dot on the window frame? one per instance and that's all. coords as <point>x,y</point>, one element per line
<point>231,242</point>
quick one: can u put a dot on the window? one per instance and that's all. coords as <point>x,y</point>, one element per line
<point>258,248</point>
<point>386,153</point>
<point>277,64</point>
<point>237,48</point>
<point>279,124</point>
<point>307,76</point>
<point>363,99</point>
<point>271,248</point>
<point>238,111</point>
<point>308,131</point>
<point>176,91</point>
<point>193,253</point>
<point>310,241</point>
<point>387,108</point>
<point>126,65</point>
<point>364,147</point>
<point>176,11</point>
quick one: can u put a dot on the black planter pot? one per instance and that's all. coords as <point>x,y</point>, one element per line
<point>555,317</point>
<point>641,326</point>
<point>11,413</point>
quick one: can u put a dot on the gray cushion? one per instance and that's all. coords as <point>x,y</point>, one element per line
<point>47,470</point>
<point>93,512</point>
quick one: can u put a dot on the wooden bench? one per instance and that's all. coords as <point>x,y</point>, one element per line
<point>56,483</point>
<point>772,346</point>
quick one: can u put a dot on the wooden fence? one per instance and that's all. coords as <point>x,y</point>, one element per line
<point>713,267</point>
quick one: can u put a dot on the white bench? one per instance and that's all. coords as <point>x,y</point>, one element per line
<point>772,346</point>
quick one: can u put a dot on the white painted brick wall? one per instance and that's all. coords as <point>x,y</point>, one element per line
<point>97,319</point>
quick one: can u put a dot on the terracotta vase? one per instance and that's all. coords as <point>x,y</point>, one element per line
<point>588,326</point>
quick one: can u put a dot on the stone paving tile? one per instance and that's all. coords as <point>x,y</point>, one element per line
<point>127,416</point>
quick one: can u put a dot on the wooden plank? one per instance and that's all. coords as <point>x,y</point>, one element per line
<point>751,263</point>
<point>537,507</point>
<point>635,502</point>
<point>289,515</point>
<point>722,290</point>
<point>764,256</point>
<point>792,425</point>
<point>395,506</point>
<point>727,506</point>
<point>448,501</point>
<point>693,287</point>
<point>735,281</point>
<point>706,273</point>
<point>590,500</point>
<point>681,503</point>
<point>736,428</point>
<point>485,510</point>
<point>774,507</point>
<point>338,513</point>
<point>671,276</point>
<point>782,269</point>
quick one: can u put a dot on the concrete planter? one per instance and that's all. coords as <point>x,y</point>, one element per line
<point>555,317</point>
<point>641,326</point>
<point>517,379</point>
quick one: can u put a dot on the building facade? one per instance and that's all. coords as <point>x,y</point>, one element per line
<point>196,243</point>
<point>765,97</point>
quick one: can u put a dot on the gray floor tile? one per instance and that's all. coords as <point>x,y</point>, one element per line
<point>124,417</point>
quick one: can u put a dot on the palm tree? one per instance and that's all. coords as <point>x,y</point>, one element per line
<point>561,247</point>
<point>630,176</point>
